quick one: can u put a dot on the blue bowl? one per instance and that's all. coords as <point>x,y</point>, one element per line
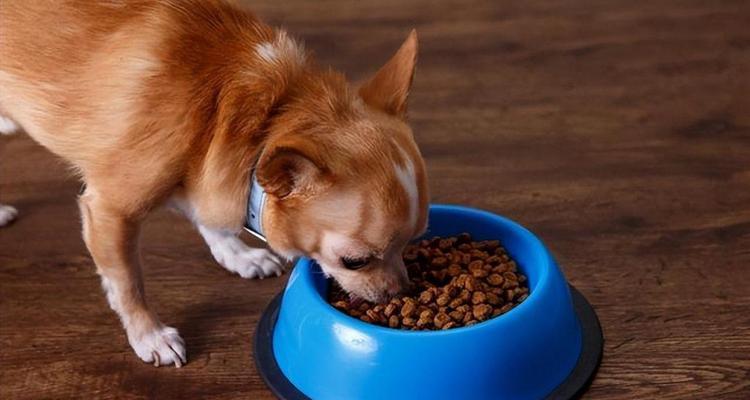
<point>313,350</point>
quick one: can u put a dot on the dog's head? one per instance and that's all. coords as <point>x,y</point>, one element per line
<point>345,179</point>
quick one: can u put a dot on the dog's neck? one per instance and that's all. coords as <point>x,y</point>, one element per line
<point>256,200</point>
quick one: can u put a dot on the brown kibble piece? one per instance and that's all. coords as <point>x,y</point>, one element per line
<point>393,321</point>
<point>481,311</point>
<point>479,273</point>
<point>439,275</point>
<point>457,315</point>
<point>500,269</point>
<point>493,260</point>
<point>493,299</point>
<point>372,314</point>
<point>478,297</point>
<point>513,266</point>
<point>495,279</point>
<point>456,258</point>
<point>439,262</point>
<point>443,299</point>
<point>408,321</point>
<point>441,319</point>
<point>492,244</point>
<point>451,290</point>
<point>449,325</point>
<point>426,297</point>
<point>445,244</point>
<point>455,303</point>
<point>389,310</point>
<point>408,308</point>
<point>341,305</point>
<point>476,265</point>
<point>426,314</point>
<point>478,254</point>
<point>509,284</point>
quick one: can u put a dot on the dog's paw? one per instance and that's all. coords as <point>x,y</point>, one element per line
<point>250,263</point>
<point>160,346</point>
<point>234,255</point>
<point>7,214</point>
<point>7,126</point>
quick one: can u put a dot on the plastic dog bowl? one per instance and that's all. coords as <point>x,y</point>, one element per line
<point>549,346</point>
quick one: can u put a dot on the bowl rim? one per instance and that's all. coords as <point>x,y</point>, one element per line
<point>534,244</point>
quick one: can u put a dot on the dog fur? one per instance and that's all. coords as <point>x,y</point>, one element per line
<point>174,102</point>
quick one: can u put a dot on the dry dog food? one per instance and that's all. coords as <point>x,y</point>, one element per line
<point>455,282</point>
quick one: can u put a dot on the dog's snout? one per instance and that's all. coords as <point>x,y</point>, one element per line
<point>401,285</point>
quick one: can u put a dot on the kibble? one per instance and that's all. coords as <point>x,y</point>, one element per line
<point>457,282</point>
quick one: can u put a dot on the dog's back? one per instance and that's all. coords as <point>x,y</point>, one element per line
<point>50,79</point>
<point>46,80</point>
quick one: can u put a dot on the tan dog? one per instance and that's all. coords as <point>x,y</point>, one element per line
<point>176,102</point>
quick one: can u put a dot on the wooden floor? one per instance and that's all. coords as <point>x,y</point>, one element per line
<point>618,131</point>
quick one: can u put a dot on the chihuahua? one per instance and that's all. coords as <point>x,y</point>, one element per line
<point>197,105</point>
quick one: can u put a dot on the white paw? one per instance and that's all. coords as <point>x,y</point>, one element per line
<point>7,126</point>
<point>7,214</point>
<point>234,255</point>
<point>250,263</point>
<point>160,346</point>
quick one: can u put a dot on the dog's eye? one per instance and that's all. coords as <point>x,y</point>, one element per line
<point>354,263</point>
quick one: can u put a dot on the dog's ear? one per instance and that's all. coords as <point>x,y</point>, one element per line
<point>388,90</point>
<point>288,170</point>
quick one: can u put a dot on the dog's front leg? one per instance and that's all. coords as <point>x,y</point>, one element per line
<point>112,239</point>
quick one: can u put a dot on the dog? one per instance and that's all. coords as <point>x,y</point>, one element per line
<point>199,106</point>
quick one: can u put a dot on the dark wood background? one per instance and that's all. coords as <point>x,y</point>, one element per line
<point>618,131</point>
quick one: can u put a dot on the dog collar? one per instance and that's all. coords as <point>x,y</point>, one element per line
<point>256,200</point>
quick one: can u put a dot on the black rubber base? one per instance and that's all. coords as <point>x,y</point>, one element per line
<point>591,351</point>
<point>574,385</point>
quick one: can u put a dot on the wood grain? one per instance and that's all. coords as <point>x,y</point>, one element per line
<point>618,131</point>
